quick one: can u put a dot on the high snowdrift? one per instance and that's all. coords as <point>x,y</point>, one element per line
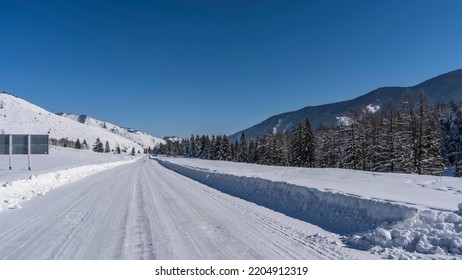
<point>336,212</point>
<point>416,191</point>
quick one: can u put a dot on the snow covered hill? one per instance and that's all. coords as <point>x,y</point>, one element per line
<point>139,137</point>
<point>18,116</point>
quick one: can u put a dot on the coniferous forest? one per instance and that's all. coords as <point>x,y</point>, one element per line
<point>410,137</point>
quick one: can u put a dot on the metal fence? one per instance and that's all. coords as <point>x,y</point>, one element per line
<point>24,144</point>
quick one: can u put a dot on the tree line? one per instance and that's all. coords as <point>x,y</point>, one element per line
<point>97,147</point>
<point>409,137</point>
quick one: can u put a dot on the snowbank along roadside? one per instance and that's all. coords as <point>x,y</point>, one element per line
<point>16,192</point>
<point>365,223</point>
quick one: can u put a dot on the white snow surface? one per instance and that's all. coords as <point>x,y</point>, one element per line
<point>21,117</point>
<point>276,127</point>
<point>395,215</point>
<point>347,121</point>
<point>274,212</point>
<point>373,108</point>
<point>62,166</point>
<point>144,211</point>
<point>343,120</point>
<point>142,138</point>
<point>174,139</point>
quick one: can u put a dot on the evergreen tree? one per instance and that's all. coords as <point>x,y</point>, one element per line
<point>202,147</point>
<point>84,144</point>
<point>236,150</point>
<point>450,122</point>
<point>429,141</point>
<point>175,148</point>
<point>326,146</point>
<point>350,136</point>
<point>243,151</point>
<point>107,149</point>
<point>363,144</point>
<point>405,135</point>
<point>296,147</point>
<point>225,149</point>
<point>232,151</point>
<point>253,156</point>
<point>285,147</point>
<point>199,147</point>
<point>98,146</point>
<point>372,135</point>
<point>458,168</point>
<point>192,146</point>
<point>118,149</point>
<point>308,145</point>
<point>77,144</point>
<point>133,153</point>
<point>261,154</point>
<point>184,148</point>
<point>168,148</point>
<point>207,146</point>
<point>214,148</point>
<point>387,143</point>
<point>302,150</point>
<point>275,149</point>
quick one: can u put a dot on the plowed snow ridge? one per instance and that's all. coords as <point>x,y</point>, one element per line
<point>365,223</point>
<point>339,213</point>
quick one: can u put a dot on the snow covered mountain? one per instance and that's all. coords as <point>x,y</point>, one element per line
<point>18,116</point>
<point>440,89</point>
<point>139,137</point>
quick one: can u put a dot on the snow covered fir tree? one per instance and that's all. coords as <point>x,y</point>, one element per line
<point>409,137</point>
<point>107,148</point>
<point>98,146</point>
<point>78,145</point>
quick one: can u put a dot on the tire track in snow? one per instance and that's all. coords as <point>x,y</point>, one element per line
<point>137,240</point>
<point>256,222</point>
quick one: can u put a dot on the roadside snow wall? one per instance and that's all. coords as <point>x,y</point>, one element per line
<point>336,212</point>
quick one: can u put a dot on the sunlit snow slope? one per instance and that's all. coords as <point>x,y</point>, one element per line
<point>18,116</point>
<point>140,137</point>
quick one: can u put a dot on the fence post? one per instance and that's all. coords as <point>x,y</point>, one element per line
<point>11,148</point>
<point>28,150</point>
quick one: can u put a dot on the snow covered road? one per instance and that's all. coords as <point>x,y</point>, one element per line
<point>144,211</point>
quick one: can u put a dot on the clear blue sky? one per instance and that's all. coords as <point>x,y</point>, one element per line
<point>216,67</point>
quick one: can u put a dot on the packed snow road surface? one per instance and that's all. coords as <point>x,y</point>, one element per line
<point>144,211</point>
